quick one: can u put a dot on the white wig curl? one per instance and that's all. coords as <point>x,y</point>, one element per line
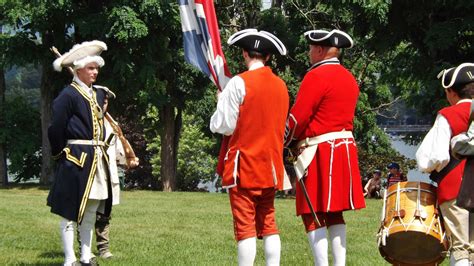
<point>81,63</point>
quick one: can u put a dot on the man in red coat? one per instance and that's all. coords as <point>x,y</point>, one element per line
<point>253,108</point>
<point>434,157</point>
<point>320,124</point>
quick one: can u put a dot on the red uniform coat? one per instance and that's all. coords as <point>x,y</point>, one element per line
<point>458,117</point>
<point>326,103</point>
<point>255,154</point>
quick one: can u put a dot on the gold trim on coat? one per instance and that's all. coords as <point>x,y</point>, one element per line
<point>79,162</point>
<point>87,191</point>
<point>96,122</point>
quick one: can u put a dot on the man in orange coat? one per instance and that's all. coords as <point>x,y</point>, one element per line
<point>253,108</point>
<point>321,123</point>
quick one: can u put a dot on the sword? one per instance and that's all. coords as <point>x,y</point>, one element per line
<point>292,158</point>
<point>305,192</point>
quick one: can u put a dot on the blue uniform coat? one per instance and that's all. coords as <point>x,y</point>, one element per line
<point>74,118</point>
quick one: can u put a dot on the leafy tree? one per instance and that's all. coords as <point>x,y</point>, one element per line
<point>295,17</point>
<point>22,128</point>
<point>145,53</point>
<point>395,42</point>
<point>196,162</point>
<point>22,132</point>
<point>430,36</point>
<point>3,157</point>
<point>36,26</point>
<point>155,68</point>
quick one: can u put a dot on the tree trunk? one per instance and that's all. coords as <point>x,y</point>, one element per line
<point>3,157</point>
<point>168,148</point>
<point>46,91</point>
<point>46,100</point>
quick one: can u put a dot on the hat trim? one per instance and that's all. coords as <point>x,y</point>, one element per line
<point>265,34</point>
<point>308,33</point>
<point>454,76</point>
<point>328,35</point>
<point>57,64</point>
<point>79,46</point>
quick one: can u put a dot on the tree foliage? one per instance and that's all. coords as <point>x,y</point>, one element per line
<point>360,19</point>
<point>164,104</point>
<point>196,161</point>
<point>145,58</point>
<point>22,136</point>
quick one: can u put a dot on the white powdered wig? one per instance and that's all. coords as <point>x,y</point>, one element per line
<point>88,59</point>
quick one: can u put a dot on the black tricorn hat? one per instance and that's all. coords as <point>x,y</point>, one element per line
<point>457,76</point>
<point>334,38</point>
<point>110,94</point>
<point>258,41</point>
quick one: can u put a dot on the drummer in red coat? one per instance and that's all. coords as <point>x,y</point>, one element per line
<point>321,123</point>
<point>434,157</point>
<point>253,108</point>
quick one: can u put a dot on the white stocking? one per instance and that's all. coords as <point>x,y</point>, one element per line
<point>337,236</point>
<point>86,228</point>
<point>67,237</point>
<point>247,249</point>
<point>272,247</point>
<point>319,246</point>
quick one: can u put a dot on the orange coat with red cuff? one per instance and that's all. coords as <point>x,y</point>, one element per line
<point>254,158</point>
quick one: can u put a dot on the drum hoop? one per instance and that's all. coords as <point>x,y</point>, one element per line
<point>407,228</point>
<point>409,189</point>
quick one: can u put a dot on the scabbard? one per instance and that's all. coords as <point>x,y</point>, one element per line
<point>308,200</point>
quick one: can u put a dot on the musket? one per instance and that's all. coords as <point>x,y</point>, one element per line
<point>132,160</point>
<point>58,54</point>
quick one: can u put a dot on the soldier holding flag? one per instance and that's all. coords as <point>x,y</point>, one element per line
<point>251,113</point>
<point>252,109</point>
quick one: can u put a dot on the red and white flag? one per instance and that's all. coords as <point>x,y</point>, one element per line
<point>202,48</point>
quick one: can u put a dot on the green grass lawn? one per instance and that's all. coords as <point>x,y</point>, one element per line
<point>156,228</point>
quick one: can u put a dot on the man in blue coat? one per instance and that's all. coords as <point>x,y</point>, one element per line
<point>81,186</point>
